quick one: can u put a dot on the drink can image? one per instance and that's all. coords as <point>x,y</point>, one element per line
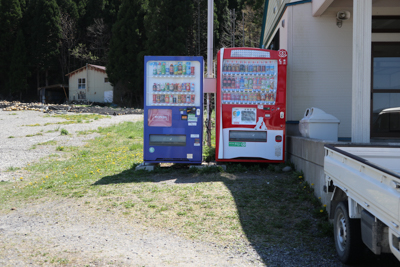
<point>167,99</point>
<point>162,98</point>
<point>162,87</point>
<point>188,70</point>
<point>158,98</point>
<point>179,87</point>
<point>158,87</point>
<point>154,87</point>
<point>192,98</point>
<point>166,68</point>
<point>192,70</point>
<point>171,69</point>
<point>159,68</point>
<point>187,87</point>
<point>192,88</point>
<point>188,99</point>
<point>163,68</point>
<point>183,99</point>
<point>179,99</point>
<point>174,98</point>
<point>184,69</point>
<point>155,68</point>
<point>154,99</point>
<point>179,68</point>
<point>176,69</point>
<point>228,96</point>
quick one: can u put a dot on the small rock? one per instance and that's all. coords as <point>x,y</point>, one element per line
<point>287,169</point>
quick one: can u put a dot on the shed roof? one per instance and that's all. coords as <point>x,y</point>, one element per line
<point>90,67</point>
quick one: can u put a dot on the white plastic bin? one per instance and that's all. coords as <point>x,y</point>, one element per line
<point>319,125</point>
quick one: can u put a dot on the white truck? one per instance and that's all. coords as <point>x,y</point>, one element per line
<point>364,183</point>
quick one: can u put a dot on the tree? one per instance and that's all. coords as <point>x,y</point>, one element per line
<point>125,60</point>
<point>19,72</point>
<point>45,41</point>
<point>11,14</point>
<point>167,24</point>
<point>67,42</point>
<point>100,35</point>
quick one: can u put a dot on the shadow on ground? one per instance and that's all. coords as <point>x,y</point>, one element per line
<point>274,215</point>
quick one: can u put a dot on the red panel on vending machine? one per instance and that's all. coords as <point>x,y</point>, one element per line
<point>251,105</point>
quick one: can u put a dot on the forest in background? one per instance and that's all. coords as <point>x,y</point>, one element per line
<point>43,40</point>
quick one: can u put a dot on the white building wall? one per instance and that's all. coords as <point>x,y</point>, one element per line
<point>73,84</point>
<point>320,65</point>
<point>97,86</point>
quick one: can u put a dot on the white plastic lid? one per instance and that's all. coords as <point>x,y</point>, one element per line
<point>318,115</point>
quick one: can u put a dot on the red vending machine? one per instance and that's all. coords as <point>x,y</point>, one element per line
<point>251,105</point>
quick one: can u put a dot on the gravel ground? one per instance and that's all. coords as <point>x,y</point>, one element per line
<point>69,232</point>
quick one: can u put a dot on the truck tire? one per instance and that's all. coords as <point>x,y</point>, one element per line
<point>347,234</point>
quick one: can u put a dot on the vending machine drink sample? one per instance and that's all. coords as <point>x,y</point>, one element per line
<point>251,105</point>
<point>173,110</point>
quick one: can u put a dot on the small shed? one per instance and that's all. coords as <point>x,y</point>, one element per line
<point>53,94</point>
<point>90,83</point>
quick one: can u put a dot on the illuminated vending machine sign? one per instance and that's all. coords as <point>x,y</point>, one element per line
<point>251,105</point>
<point>173,109</point>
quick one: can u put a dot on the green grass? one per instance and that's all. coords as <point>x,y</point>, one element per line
<point>64,132</point>
<point>246,204</point>
<point>76,118</point>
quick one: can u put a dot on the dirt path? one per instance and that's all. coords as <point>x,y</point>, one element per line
<point>69,233</point>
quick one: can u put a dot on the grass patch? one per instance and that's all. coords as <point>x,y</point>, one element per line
<point>31,135</point>
<point>11,169</point>
<point>64,132</point>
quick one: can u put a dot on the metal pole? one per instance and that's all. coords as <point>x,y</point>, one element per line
<point>210,52</point>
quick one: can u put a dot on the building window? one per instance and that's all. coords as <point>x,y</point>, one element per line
<point>106,79</point>
<point>82,83</point>
<point>385,113</point>
<point>386,24</point>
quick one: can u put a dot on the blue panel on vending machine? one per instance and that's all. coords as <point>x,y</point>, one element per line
<point>173,109</point>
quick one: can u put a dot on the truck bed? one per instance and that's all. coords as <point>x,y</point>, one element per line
<point>384,158</point>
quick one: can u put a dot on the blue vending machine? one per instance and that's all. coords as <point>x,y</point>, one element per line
<point>173,109</point>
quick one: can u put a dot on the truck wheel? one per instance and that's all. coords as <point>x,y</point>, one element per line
<point>347,235</point>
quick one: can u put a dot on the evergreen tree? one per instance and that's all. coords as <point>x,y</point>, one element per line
<point>125,61</point>
<point>19,72</point>
<point>11,14</point>
<point>167,24</point>
<point>46,37</point>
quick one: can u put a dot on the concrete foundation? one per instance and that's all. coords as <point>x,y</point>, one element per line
<point>308,156</point>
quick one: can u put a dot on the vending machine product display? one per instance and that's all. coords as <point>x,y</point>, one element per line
<point>251,105</point>
<point>173,110</point>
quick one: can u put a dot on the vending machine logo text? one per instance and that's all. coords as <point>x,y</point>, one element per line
<point>160,117</point>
